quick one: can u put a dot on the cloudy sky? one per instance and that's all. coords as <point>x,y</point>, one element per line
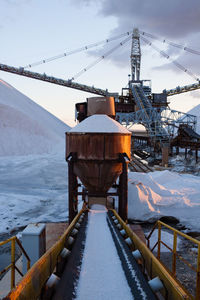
<point>32,30</point>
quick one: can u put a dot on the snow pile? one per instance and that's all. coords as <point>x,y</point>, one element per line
<point>157,194</point>
<point>25,127</point>
<point>196,112</point>
<point>101,124</point>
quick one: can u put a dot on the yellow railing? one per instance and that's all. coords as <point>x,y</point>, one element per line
<point>12,265</point>
<point>32,283</point>
<point>172,289</point>
<point>175,255</point>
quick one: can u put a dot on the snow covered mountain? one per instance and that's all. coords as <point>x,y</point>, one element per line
<point>25,127</point>
<point>196,112</point>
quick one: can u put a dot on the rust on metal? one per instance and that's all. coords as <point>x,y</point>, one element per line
<point>97,146</point>
<point>98,164</point>
<point>101,105</point>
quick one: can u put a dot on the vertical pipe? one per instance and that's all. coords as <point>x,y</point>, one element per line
<point>174,254</point>
<point>198,276</point>
<point>159,239</point>
<point>13,263</point>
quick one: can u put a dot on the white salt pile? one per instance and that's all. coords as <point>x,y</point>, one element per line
<point>100,123</point>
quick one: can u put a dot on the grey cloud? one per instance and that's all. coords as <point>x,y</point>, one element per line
<point>172,18</point>
<point>175,20</point>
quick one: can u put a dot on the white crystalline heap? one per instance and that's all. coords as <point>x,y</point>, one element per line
<point>196,112</point>
<point>165,193</point>
<point>101,124</point>
<point>25,127</point>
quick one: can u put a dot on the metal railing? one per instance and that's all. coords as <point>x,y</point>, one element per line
<point>154,268</point>
<point>176,255</point>
<point>12,265</point>
<point>31,285</point>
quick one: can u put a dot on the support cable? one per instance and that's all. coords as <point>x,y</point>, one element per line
<point>168,57</point>
<point>170,43</point>
<point>67,53</point>
<point>100,58</point>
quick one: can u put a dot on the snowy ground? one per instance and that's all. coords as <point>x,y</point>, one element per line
<point>34,189</point>
<point>165,193</point>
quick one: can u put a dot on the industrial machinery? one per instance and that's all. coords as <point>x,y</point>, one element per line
<point>98,150</point>
<point>137,103</point>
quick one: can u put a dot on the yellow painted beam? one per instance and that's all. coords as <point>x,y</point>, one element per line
<point>173,290</point>
<point>31,284</point>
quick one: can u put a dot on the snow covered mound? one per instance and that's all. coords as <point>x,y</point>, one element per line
<point>25,127</point>
<point>196,112</point>
<point>101,124</point>
<point>157,194</point>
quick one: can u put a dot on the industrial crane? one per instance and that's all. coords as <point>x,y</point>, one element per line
<point>136,104</point>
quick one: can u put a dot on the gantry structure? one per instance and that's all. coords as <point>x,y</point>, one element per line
<point>137,103</point>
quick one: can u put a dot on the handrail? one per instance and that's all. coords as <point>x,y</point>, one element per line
<point>172,288</point>
<point>32,283</point>
<point>176,232</point>
<point>12,266</point>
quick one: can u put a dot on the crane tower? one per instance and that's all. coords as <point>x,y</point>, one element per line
<point>135,55</point>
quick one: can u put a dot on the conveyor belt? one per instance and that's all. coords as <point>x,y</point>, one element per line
<point>136,165</point>
<point>104,268</point>
<point>190,132</point>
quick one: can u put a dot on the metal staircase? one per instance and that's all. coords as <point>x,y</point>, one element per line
<point>146,114</point>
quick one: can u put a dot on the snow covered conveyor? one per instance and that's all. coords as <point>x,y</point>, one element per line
<point>107,268</point>
<point>93,259</point>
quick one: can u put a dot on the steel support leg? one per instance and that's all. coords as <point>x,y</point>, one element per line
<point>72,191</point>
<point>185,153</point>
<point>123,190</point>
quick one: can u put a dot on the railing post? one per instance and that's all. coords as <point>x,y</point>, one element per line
<point>13,263</point>
<point>174,254</point>
<point>198,276</point>
<point>159,239</point>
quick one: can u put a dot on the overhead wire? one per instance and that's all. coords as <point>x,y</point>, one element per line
<point>164,54</point>
<point>170,43</point>
<point>100,58</point>
<point>84,48</point>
